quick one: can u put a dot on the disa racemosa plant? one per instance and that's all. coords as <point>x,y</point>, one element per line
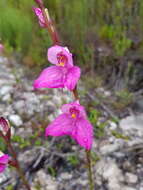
<point>73,121</point>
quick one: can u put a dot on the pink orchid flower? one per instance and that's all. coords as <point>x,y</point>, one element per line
<point>73,122</point>
<point>63,74</point>
<point>1,48</point>
<point>3,162</point>
<point>39,14</point>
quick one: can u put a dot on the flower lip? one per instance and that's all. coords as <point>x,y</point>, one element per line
<point>62,59</point>
<point>59,54</point>
<point>75,110</point>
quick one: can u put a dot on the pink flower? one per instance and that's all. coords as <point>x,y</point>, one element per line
<point>63,74</point>
<point>39,14</point>
<point>59,55</point>
<point>73,121</point>
<point>3,162</point>
<point>1,48</point>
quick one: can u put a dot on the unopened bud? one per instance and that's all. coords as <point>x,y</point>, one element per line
<point>4,125</point>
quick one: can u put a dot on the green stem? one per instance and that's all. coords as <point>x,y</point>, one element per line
<point>17,167</point>
<point>90,178</point>
<point>49,24</point>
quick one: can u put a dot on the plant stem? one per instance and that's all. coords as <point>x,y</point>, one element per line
<point>54,36</point>
<point>90,178</point>
<point>49,24</point>
<point>17,166</point>
<point>75,93</point>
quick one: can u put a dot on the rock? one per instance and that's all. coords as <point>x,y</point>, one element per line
<point>127,165</point>
<point>109,171</point>
<point>100,90</point>
<point>132,125</point>
<point>6,98</point>
<point>27,157</point>
<point>131,178</point>
<point>135,141</point>
<point>45,181</point>
<point>113,125</point>
<point>113,147</point>
<point>66,176</point>
<point>19,107</point>
<point>107,93</point>
<point>51,117</point>
<point>15,120</point>
<point>109,148</point>
<point>3,59</point>
<point>5,175</point>
<point>128,188</point>
<point>5,90</point>
<point>29,105</point>
<point>83,182</point>
<point>57,100</point>
<point>138,106</point>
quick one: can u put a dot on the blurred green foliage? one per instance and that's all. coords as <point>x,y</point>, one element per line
<point>21,141</point>
<point>15,26</point>
<point>2,145</point>
<point>124,98</point>
<point>119,135</point>
<point>81,24</point>
<point>52,171</point>
<point>73,160</point>
<point>9,187</point>
<point>99,127</point>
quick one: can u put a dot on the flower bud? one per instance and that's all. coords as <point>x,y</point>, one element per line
<point>4,125</point>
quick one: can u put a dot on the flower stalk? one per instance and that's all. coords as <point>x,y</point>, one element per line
<point>15,163</point>
<point>90,177</point>
<point>48,22</point>
<point>52,31</point>
<point>88,153</point>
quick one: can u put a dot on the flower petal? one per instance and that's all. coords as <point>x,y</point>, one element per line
<point>2,168</point>
<point>51,77</point>
<point>66,109</point>
<point>3,162</point>
<point>55,50</point>
<point>72,77</point>
<point>4,159</point>
<point>1,48</point>
<point>83,133</point>
<point>39,14</point>
<point>62,125</point>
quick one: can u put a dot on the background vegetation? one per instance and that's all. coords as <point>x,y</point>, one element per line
<point>100,33</point>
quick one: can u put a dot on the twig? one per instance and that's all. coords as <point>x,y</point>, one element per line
<point>88,157</point>
<point>102,105</point>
